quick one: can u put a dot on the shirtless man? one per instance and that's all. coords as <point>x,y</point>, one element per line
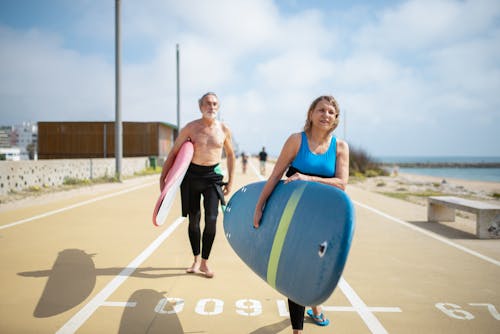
<point>204,177</point>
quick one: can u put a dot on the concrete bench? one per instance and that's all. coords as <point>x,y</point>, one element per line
<point>442,208</point>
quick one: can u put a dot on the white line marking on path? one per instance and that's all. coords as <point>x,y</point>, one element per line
<point>359,306</point>
<point>50,213</point>
<point>79,318</point>
<point>119,304</point>
<point>364,311</point>
<point>259,175</point>
<point>430,234</point>
<point>352,309</point>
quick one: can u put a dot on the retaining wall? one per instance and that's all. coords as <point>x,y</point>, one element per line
<point>19,175</point>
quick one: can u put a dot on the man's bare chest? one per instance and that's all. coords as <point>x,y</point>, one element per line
<point>211,138</point>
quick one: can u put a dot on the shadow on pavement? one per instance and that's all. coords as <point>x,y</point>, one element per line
<point>443,230</point>
<point>273,328</point>
<point>150,312</point>
<point>72,279</point>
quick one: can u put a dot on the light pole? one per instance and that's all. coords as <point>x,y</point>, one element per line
<point>178,91</point>
<point>118,116</point>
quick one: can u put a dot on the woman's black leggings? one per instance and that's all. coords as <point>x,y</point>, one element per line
<point>296,315</point>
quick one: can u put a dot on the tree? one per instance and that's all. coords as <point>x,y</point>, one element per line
<point>31,150</point>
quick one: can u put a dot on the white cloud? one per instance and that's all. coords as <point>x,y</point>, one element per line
<point>417,25</point>
<point>470,67</point>
<point>427,67</point>
<point>368,70</point>
<point>40,80</point>
<point>294,70</point>
<point>238,25</point>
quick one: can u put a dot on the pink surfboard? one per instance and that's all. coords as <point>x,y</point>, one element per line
<point>173,181</point>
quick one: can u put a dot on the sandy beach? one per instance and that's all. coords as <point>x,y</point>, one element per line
<point>416,188</point>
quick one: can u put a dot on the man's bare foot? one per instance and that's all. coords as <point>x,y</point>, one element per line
<point>206,271</point>
<point>195,268</point>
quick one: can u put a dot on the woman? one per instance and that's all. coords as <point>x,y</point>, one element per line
<point>312,155</point>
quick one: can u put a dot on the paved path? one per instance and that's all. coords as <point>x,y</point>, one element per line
<point>92,262</point>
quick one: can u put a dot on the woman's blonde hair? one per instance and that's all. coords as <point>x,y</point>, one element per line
<point>330,100</point>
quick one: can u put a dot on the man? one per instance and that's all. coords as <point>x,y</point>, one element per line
<point>244,162</point>
<point>203,177</point>
<point>263,159</point>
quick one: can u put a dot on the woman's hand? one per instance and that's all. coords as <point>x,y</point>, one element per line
<point>298,176</point>
<point>257,216</point>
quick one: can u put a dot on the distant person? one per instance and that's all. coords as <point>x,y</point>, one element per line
<point>312,155</point>
<point>395,170</point>
<point>263,159</point>
<point>244,162</point>
<point>203,177</point>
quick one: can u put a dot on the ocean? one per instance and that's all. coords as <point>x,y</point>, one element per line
<point>465,173</point>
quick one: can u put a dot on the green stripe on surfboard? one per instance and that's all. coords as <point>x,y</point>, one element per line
<point>279,238</point>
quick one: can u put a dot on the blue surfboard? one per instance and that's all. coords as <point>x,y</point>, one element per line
<point>301,246</point>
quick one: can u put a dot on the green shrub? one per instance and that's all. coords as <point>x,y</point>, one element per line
<point>149,171</point>
<point>71,181</point>
<point>372,173</point>
<point>34,189</point>
<point>361,162</point>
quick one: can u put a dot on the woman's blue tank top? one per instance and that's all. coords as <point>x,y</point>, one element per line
<point>310,163</point>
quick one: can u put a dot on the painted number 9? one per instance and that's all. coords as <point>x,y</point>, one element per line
<point>248,307</point>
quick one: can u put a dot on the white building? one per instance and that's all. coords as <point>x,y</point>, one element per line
<point>26,133</point>
<point>5,136</point>
<point>11,154</point>
<point>23,137</point>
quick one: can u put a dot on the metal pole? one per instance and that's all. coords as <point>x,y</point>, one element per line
<point>178,92</point>
<point>118,116</point>
<point>345,124</point>
<point>105,141</point>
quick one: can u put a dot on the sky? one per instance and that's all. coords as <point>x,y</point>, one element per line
<point>412,78</point>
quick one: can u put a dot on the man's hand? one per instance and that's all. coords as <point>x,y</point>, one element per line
<point>226,188</point>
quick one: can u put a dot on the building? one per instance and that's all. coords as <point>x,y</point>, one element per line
<point>11,153</point>
<point>26,136</point>
<point>5,136</point>
<point>63,140</point>
<point>22,138</point>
